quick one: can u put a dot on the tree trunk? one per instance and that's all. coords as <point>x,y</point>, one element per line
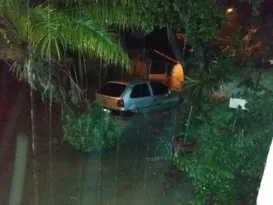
<point>29,68</point>
<point>9,53</point>
<point>202,57</point>
<point>178,52</point>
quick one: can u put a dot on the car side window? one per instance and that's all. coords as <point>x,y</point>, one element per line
<point>140,90</point>
<point>159,88</point>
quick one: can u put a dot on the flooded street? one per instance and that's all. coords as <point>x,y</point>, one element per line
<point>64,176</point>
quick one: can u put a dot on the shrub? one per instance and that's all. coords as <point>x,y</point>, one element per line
<point>95,130</point>
<point>232,147</point>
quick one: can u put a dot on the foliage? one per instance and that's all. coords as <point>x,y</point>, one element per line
<point>51,31</point>
<point>43,77</point>
<point>70,104</point>
<point>228,163</point>
<point>55,27</point>
<point>87,26</point>
<point>92,131</point>
<point>245,48</point>
<point>116,15</point>
<point>193,17</point>
<point>232,148</point>
<point>183,15</point>
<point>200,83</point>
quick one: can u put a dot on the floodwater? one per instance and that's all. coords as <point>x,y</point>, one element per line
<point>64,176</point>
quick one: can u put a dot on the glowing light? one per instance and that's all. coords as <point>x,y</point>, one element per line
<point>229,10</point>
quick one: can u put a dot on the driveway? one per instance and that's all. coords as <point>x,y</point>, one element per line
<point>118,176</point>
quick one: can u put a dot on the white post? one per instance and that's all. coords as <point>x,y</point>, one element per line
<point>265,196</point>
<point>19,170</point>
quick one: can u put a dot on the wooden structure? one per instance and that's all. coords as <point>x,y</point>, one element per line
<point>173,77</point>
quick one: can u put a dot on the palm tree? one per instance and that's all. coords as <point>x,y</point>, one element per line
<point>35,37</point>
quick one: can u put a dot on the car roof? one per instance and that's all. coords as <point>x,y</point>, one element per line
<point>118,82</point>
<point>129,82</point>
<point>134,82</point>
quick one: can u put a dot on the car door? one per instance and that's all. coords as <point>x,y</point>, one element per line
<point>161,93</point>
<point>141,96</point>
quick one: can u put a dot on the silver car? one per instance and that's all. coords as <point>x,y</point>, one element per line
<point>136,96</point>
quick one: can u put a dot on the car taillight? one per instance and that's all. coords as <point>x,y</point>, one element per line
<point>120,103</point>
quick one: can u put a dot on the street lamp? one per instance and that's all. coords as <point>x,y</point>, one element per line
<point>229,11</point>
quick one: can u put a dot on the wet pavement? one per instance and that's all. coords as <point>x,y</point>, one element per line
<point>64,176</point>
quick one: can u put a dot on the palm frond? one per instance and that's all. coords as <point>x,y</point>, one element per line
<point>45,32</point>
<point>76,3</point>
<point>52,32</point>
<point>87,37</point>
<point>108,14</point>
<point>3,7</point>
<point>10,7</point>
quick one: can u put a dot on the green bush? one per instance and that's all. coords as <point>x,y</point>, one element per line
<point>95,130</point>
<point>232,147</point>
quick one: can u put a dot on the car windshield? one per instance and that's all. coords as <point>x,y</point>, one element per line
<point>112,89</point>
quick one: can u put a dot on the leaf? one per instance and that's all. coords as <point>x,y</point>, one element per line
<point>93,131</point>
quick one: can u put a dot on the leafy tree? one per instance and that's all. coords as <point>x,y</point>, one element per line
<point>204,85</point>
<point>193,18</point>
<point>228,163</point>
<point>233,144</point>
<point>38,35</point>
